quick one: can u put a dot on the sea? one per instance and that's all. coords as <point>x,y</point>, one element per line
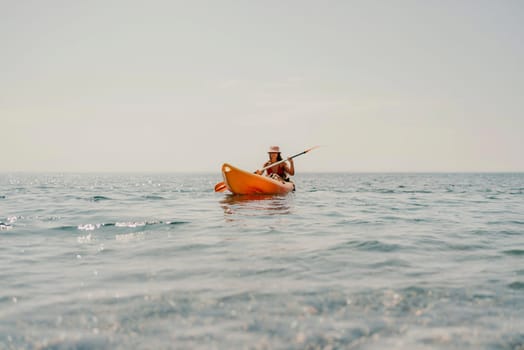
<point>347,261</point>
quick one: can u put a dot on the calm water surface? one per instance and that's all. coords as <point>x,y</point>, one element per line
<point>348,261</point>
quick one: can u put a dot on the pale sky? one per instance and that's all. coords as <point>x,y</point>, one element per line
<point>187,85</point>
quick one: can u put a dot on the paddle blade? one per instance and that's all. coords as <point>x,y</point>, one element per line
<point>220,187</point>
<point>310,149</point>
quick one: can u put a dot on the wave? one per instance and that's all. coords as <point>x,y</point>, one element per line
<point>515,252</point>
<point>153,197</point>
<point>8,224</point>
<point>392,191</point>
<point>5,227</point>
<point>390,263</point>
<point>417,191</point>
<point>374,245</point>
<point>516,285</point>
<point>119,224</point>
<point>506,222</point>
<point>99,198</point>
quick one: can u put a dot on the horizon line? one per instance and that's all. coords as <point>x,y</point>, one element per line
<point>301,172</point>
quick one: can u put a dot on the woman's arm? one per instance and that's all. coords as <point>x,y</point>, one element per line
<point>260,172</point>
<point>290,169</point>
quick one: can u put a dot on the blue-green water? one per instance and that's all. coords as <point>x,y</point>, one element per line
<point>360,261</point>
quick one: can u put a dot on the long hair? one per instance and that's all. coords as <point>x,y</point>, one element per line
<point>279,157</point>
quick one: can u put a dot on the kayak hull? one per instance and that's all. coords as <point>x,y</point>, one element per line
<point>239,181</point>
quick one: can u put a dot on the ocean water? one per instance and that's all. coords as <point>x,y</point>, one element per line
<point>348,261</point>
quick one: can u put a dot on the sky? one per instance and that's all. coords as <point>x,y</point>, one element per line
<point>184,86</point>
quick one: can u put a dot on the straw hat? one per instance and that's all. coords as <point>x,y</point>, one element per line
<point>274,149</point>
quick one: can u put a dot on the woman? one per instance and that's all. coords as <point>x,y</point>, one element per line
<point>281,171</point>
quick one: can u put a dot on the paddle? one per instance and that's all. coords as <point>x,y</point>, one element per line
<point>221,186</point>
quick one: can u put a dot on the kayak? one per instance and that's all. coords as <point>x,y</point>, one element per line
<point>239,181</point>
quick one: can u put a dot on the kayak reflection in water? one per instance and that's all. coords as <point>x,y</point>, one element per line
<point>280,172</point>
<point>237,207</point>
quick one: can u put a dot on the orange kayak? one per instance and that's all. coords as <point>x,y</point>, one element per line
<point>239,181</point>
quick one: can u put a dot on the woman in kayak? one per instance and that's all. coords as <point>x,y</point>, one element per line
<point>281,171</point>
